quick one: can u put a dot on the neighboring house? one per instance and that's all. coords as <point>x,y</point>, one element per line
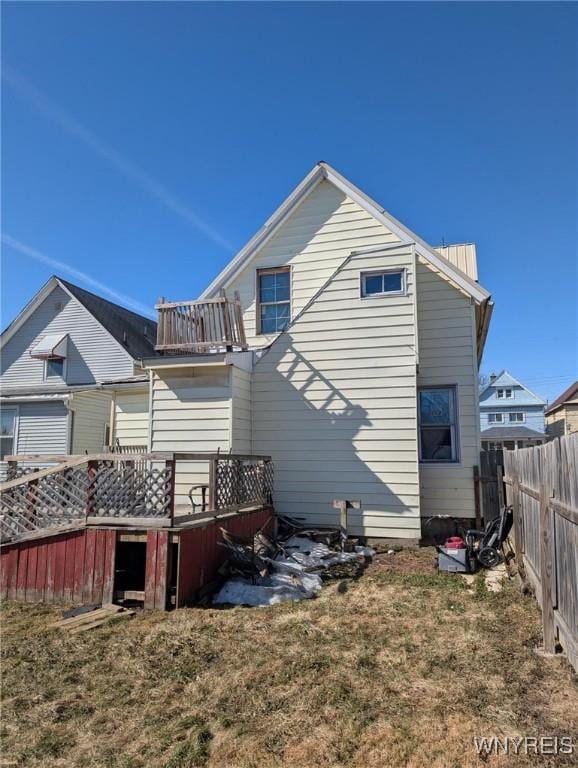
<point>511,415</point>
<point>54,357</point>
<point>361,379</point>
<point>562,415</point>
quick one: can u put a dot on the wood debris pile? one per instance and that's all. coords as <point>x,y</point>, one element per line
<point>292,566</point>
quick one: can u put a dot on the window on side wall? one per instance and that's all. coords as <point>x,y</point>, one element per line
<point>7,431</point>
<point>438,425</point>
<point>54,368</point>
<point>273,299</point>
<point>496,418</point>
<point>389,282</point>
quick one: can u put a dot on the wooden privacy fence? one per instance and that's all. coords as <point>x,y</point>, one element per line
<point>488,484</point>
<point>542,488</point>
<point>132,488</point>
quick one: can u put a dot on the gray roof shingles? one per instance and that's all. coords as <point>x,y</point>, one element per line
<point>125,326</point>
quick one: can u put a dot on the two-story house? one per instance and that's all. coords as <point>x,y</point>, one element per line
<point>55,357</point>
<point>511,415</point>
<point>349,354</point>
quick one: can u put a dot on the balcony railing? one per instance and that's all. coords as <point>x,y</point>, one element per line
<point>200,326</point>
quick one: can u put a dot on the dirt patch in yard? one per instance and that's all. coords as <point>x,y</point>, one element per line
<point>400,667</point>
<point>405,561</point>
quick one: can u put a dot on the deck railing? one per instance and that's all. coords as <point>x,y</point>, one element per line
<point>126,489</point>
<point>200,326</point>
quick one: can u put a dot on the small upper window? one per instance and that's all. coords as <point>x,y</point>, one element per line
<point>273,299</point>
<point>505,394</point>
<point>517,417</point>
<point>496,418</point>
<point>54,368</point>
<point>390,282</point>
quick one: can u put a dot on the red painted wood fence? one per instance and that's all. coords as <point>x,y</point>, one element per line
<point>78,567</point>
<point>73,567</point>
<point>200,555</point>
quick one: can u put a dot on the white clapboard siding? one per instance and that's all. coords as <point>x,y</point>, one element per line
<point>191,412</point>
<point>91,417</point>
<point>42,429</point>
<point>339,415</point>
<point>92,354</point>
<point>447,355</point>
<point>241,427</point>
<point>314,241</point>
<point>131,418</point>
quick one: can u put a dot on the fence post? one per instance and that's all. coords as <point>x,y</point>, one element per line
<point>477,497</point>
<point>212,484</point>
<point>92,471</point>
<point>546,571</point>
<point>171,466</point>
<point>518,534</point>
<point>500,474</point>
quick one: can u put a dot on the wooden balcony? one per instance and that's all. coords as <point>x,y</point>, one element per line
<point>211,325</point>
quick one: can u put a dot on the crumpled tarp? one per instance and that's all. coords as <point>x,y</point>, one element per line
<point>289,579</point>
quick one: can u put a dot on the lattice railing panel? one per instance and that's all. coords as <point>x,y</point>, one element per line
<point>239,482</point>
<point>53,500</point>
<point>125,490</point>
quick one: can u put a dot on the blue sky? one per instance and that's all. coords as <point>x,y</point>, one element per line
<point>144,143</point>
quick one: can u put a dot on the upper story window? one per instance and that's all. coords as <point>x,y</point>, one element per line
<point>390,282</point>
<point>273,299</point>
<point>517,417</point>
<point>438,424</point>
<point>496,418</point>
<point>54,368</point>
<point>505,394</point>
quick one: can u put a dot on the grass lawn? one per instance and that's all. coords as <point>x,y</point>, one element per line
<point>402,667</point>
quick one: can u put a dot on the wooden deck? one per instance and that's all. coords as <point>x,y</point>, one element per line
<point>105,527</point>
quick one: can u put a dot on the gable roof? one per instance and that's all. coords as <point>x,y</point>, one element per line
<point>505,379</point>
<point>323,171</point>
<point>126,327</point>
<point>566,395</point>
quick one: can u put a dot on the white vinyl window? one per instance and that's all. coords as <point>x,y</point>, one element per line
<point>273,299</point>
<point>517,418</point>
<point>54,368</point>
<point>438,424</point>
<point>8,422</point>
<point>496,418</point>
<point>390,282</point>
<point>505,394</point>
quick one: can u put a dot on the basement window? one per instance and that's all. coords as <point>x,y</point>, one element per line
<point>273,299</point>
<point>384,283</point>
<point>438,425</point>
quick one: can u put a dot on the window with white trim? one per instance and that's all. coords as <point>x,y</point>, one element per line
<point>273,299</point>
<point>438,424</point>
<point>496,418</point>
<point>389,282</point>
<point>7,431</point>
<point>54,368</point>
<point>517,418</point>
<point>505,394</point>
